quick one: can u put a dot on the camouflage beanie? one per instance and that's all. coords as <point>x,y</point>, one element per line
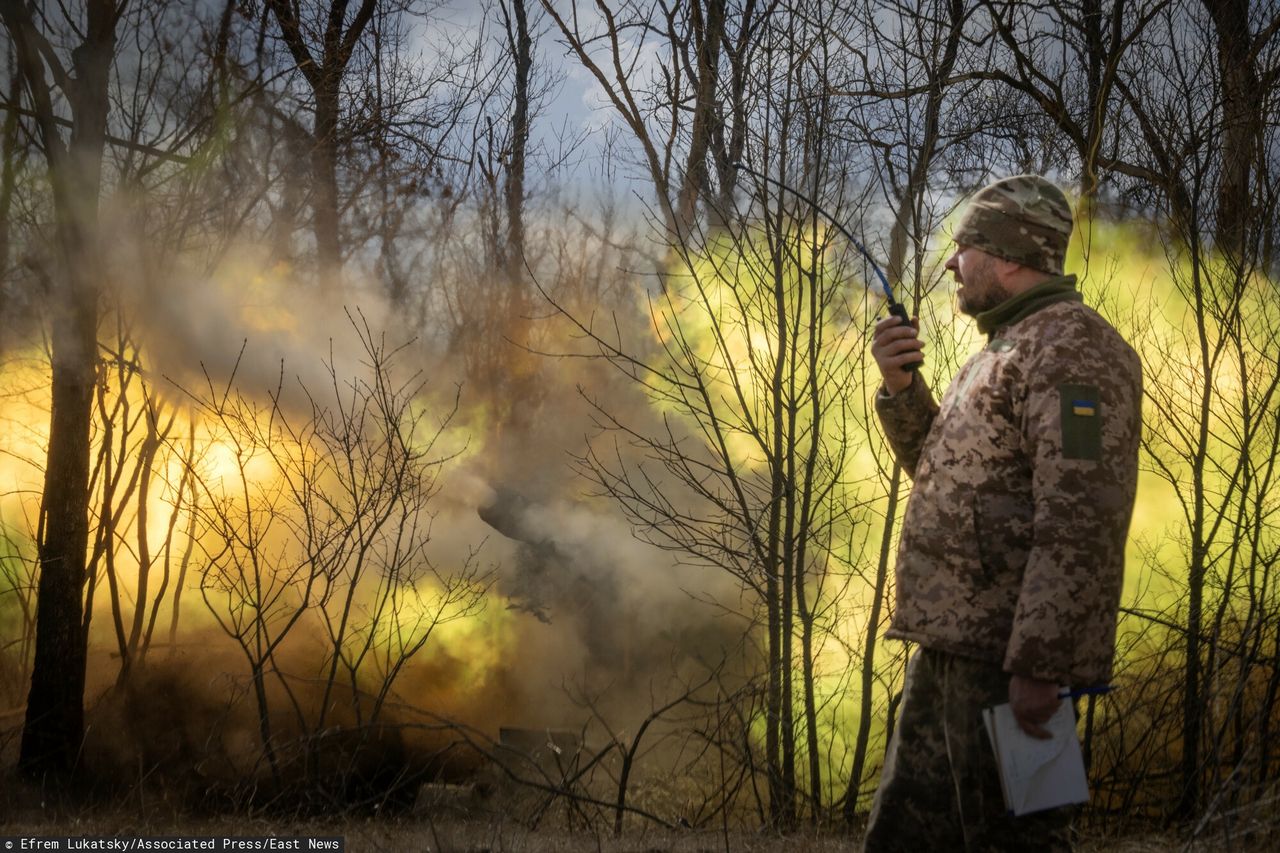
<point>1024,218</point>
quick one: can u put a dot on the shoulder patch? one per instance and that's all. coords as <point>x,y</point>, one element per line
<point>1081,421</point>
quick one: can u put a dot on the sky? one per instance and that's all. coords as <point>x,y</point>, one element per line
<point>575,112</point>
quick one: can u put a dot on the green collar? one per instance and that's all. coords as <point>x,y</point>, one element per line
<point>1060,288</point>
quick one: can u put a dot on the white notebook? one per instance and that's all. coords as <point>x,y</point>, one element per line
<point>1037,774</point>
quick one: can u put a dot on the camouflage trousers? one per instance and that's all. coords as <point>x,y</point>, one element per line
<point>940,789</point>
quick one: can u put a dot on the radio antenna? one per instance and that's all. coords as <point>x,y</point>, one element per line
<point>896,308</point>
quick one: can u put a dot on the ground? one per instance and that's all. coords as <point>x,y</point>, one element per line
<point>373,835</point>
<point>438,824</point>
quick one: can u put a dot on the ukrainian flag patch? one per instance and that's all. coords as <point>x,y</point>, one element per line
<point>1081,415</point>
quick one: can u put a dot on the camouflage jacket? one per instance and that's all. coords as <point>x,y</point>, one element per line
<point>1012,547</point>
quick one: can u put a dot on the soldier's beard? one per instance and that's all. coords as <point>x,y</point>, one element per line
<point>981,290</point>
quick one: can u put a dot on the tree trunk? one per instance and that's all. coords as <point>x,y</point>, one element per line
<point>773,696</point>
<point>869,651</point>
<point>1242,124</point>
<point>54,724</point>
<point>520,387</point>
<point>708,32</point>
<point>55,714</point>
<point>324,176</point>
<point>8,171</point>
<point>325,79</point>
<point>522,54</point>
<point>906,233</point>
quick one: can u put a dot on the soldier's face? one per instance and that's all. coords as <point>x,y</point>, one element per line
<point>978,274</point>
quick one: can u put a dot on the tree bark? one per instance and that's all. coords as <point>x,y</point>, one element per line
<point>324,176</point>
<point>1242,124</point>
<point>8,170</point>
<point>522,54</point>
<point>325,79</point>
<point>54,726</point>
<point>708,32</point>
<point>868,674</point>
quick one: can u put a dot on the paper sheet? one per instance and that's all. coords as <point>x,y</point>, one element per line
<point>1038,774</point>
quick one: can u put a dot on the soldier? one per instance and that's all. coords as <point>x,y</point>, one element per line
<point>1011,558</point>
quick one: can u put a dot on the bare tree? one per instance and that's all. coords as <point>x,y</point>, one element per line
<point>379,119</point>
<point>677,149</point>
<point>909,98</point>
<point>1195,409</point>
<point>750,360</point>
<point>321,41</point>
<point>492,323</point>
<point>134,449</point>
<point>17,613</point>
<point>331,537</point>
<point>54,722</point>
<point>12,155</point>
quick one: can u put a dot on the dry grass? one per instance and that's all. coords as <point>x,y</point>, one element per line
<point>500,835</point>
<point>23,811</point>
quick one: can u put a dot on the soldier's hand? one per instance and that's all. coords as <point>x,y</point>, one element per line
<point>1033,702</point>
<point>894,345</point>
